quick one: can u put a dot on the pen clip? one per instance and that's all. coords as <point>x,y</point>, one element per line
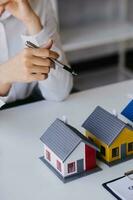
<point>129,174</point>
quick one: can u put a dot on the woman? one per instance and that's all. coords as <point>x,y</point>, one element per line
<point>23,69</point>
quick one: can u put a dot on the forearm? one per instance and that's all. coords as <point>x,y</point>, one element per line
<point>4,85</point>
<point>33,25</point>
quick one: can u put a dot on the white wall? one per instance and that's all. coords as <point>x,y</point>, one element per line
<point>92,12</point>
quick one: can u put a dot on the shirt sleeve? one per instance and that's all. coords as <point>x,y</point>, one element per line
<point>49,27</point>
<point>38,39</point>
<point>59,82</point>
<point>10,97</point>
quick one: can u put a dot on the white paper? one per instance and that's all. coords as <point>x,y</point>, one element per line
<point>122,188</point>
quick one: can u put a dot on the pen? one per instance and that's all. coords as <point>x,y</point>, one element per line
<point>128,174</point>
<point>65,67</point>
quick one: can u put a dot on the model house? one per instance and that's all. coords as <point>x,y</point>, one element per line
<point>128,111</point>
<point>111,135</point>
<point>67,152</point>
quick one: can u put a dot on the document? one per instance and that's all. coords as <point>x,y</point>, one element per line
<point>123,188</point>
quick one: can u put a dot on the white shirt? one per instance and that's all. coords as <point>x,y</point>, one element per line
<point>12,40</point>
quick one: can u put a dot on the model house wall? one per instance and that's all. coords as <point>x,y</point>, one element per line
<point>67,152</point>
<point>122,142</point>
<point>99,144</point>
<point>125,138</point>
<point>75,163</point>
<point>77,154</point>
<point>53,160</point>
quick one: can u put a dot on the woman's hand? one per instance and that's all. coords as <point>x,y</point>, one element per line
<point>22,10</point>
<point>30,65</point>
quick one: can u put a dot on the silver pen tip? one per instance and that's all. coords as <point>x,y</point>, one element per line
<point>74,73</point>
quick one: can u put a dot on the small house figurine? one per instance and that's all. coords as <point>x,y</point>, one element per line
<point>68,153</point>
<point>113,137</point>
<point>128,111</point>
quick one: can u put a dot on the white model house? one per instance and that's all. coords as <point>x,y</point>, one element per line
<point>66,151</point>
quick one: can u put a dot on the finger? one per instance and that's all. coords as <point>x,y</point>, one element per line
<point>41,70</point>
<point>49,44</point>
<point>53,54</point>
<point>21,1</point>
<point>44,53</point>
<point>42,61</point>
<point>37,77</point>
<point>3,2</point>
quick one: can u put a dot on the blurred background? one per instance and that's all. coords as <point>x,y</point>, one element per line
<point>97,37</point>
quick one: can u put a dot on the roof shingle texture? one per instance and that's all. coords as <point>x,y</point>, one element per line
<point>105,126</point>
<point>60,139</point>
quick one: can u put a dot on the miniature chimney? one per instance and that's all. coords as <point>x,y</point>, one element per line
<point>130,96</point>
<point>115,112</point>
<point>64,119</point>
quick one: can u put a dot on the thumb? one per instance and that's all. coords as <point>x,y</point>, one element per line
<point>49,44</point>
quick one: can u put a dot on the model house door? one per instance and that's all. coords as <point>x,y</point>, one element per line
<point>90,158</point>
<point>80,165</point>
<point>123,151</point>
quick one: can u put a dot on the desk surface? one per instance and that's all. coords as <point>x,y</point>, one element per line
<point>23,176</point>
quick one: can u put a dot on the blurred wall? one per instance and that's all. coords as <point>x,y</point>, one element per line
<point>73,13</point>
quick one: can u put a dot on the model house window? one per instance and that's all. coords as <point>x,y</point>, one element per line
<point>58,163</point>
<point>130,147</point>
<point>71,167</point>
<point>115,152</point>
<point>103,152</point>
<point>48,155</point>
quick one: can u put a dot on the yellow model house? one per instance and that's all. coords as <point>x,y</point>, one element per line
<point>111,135</point>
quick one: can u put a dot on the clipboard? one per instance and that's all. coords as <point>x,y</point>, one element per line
<point>105,185</point>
